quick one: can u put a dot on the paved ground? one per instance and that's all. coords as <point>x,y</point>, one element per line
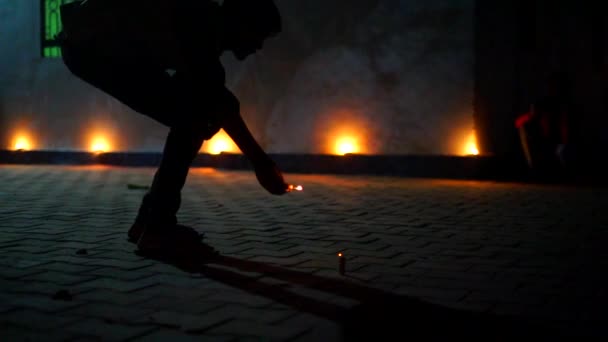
<point>502,250</point>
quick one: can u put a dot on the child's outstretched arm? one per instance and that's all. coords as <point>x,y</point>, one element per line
<point>267,173</point>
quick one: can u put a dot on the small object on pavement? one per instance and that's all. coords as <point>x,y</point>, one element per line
<point>137,187</point>
<point>63,295</point>
<point>82,252</point>
<point>291,188</point>
<point>342,263</point>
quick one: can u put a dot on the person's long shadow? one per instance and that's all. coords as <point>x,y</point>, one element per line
<point>380,314</point>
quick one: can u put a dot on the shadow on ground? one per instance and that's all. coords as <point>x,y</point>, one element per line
<point>380,315</point>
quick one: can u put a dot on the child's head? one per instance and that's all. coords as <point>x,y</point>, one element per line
<point>248,23</point>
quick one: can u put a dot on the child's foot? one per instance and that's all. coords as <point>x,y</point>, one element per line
<point>135,232</point>
<point>154,238</point>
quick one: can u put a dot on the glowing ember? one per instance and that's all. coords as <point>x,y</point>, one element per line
<point>100,144</point>
<point>221,142</point>
<point>341,264</point>
<point>293,187</point>
<point>471,145</point>
<point>22,143</point>
<point>346,145</point>
<point>218,146</point>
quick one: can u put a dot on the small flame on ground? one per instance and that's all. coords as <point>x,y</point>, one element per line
<point>100,144</point>
<point>22,143</point>
<point>221,142</point>
<point>219,146</point>
<point>294,187</point>
<point>471,145</point>
<point>346,145</point>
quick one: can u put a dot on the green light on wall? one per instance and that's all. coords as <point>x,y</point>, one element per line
<point>51,26</point>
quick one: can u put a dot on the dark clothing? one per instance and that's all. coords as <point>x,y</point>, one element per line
<point>175,101</point>
<point>128,62</point>
<point>548,133</point>
<point>554,119</point>
<point>176,32</point>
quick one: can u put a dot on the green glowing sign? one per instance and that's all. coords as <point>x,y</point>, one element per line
<point>51,26</point>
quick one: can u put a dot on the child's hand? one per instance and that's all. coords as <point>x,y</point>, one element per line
<point>270,177</point>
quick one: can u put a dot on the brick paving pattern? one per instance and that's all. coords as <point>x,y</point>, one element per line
<point>531,251</point>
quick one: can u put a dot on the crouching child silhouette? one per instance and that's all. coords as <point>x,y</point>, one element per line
<point>161,58</point>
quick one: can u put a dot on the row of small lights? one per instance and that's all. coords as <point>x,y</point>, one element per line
<point>100,143</point>
<point>221,142</point>
<point>24,142</point>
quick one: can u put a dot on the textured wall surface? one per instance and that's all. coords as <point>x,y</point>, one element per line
<point>399,74</point>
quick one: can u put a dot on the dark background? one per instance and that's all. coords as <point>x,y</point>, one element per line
<point>410,77</point>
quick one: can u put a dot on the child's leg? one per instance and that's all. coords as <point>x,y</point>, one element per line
<point>162,202</point>
<point>149,90</point>
<point>188,132</point>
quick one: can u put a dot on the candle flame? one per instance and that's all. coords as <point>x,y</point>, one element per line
<point>470,147</point>
<point>219,146</point>
<point>22,143</point>
<point>221,142</point>
<point>340,255</point>
<point>296,188</point>
<point>345,145</point>
<point>99,144</point>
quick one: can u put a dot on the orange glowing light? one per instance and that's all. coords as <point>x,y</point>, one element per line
<point>99,144</point>
<point>294,187</point>
<point>340,255</point>
<point>219,146</point>
<point>203,170</point>
<point>22,143</point>
<point>221,142</point>
<point>470,147</point>
<point>345,145</point>
<point>346,131</point>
